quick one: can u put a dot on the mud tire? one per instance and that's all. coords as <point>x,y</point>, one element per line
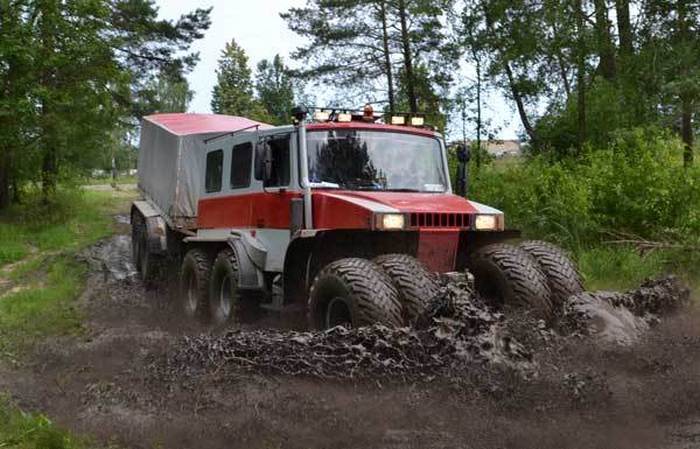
<point>562,275</point>
<point>415,283</point>
<point>223,288</point>
<point>193,298</point>
<point>506,275</point>
<point>148,265</point>
<point>362,293</point>
<point>137,230</point>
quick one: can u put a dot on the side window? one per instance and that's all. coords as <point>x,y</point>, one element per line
<point>215,171</point>
<point>276,149</point>
<point>241,160</point>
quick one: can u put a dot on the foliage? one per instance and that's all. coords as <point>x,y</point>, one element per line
<point>381,51</point>
<point>275,89</point>
<point>71,73</point>
<point>637,185</point>
<point>70,221</point>
<point>233,92</point>
<point>20,430</point>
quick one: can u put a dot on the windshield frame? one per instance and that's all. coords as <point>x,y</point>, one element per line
<point>444,165</point>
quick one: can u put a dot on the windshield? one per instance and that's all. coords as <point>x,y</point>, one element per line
<point>375,160</point>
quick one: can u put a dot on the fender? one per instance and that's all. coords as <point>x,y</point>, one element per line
<point>250,276</point>
<point>156,228</point>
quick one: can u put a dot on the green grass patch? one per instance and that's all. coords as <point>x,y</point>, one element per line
<point>619,268</point>
<point>72,220</point>
<point>19,430</point>
<point>45,308</point>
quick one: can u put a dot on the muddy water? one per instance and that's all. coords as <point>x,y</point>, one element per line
<point>645,394</point>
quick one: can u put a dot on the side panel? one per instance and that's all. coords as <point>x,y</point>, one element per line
<point>251,210</point>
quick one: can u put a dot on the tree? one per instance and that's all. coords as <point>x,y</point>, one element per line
<point>164,94</point>
<point>233,93</point>
<point>72,71</point>
<point>275,89</point>
<point>374,47</point>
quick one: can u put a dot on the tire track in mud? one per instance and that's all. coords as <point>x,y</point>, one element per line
<point>643,395</point>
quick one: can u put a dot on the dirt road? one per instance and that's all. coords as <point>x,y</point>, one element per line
<point>103,384</point>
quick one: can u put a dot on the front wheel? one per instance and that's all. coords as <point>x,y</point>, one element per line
<point>505,275</point>
<point>353,292</point>
<point>223,287</point>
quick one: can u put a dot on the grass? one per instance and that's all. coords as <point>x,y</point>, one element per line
<point>108,180</point>
<point>618,268</point>
<point>19,430</point>
<point>44,308</point>
<point>73,220</point>
<point>41,241</point>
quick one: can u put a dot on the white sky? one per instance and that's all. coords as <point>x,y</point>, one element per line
<point>258,28</point>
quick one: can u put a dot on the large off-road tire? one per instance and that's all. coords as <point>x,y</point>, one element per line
<point>562,275</point>
<point>138,228</point>
<point>147,264</point>
<point>415,283</point>
<point>223,288</point>
<point>353,292</point>
<point>506,275</point>
<point>194,284</point>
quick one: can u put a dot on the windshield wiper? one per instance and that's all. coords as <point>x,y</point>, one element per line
<point>403,190</point>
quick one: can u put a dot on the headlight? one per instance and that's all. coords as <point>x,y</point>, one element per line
<point>486,223</point>
<point>390,222</point>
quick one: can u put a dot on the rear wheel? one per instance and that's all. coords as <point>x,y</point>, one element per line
<point>414,282</point>
<point>223,289</point>
<point>353,292</point>
<point>505,275</point>
<point>146,262</point>
<point>562,275</point>
<point>194,283</point>
<point>137,229</point>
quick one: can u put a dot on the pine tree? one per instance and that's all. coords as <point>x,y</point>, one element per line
<point>275,89</point>
<point>233,93</point>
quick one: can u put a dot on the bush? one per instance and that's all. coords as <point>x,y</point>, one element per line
<point>637,186</point>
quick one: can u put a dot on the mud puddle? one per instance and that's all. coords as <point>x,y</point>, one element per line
<point>112,382</point>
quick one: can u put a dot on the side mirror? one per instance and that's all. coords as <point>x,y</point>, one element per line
<point>267,164</point>
<point>260,160</point>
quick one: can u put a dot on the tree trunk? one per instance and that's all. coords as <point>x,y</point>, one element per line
<point>5,181</point>
<point>519,103</point>
<point>624,29</point>
<point>687,131</point>
<point>407,58</point>
<point>686,97</point>
<point>581,75</point>
<point>606,50</point>
<point>387,56</point>
<point>478,110</point>
<point>49,166</point>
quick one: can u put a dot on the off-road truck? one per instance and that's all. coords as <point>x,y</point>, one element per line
<point>344,214</point>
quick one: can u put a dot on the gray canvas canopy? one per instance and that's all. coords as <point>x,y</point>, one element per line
<point>171,158</point>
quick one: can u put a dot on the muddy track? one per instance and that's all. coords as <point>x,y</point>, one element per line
<point>643,395</point>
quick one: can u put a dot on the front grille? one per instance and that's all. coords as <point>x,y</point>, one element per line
<point>439,220</point>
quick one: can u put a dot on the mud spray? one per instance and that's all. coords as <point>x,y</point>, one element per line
<point>457,331</point>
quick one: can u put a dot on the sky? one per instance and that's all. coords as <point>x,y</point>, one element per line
<point>258,28</point>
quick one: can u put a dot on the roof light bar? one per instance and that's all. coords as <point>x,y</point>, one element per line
<point>417,121</point>
<point>344,117</point>
<point>398,120</point>
<point>322,116</point>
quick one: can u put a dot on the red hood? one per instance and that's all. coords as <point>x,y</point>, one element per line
<point>343,209</point>
<point>411,202</point>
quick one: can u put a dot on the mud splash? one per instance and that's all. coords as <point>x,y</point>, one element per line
<point>112,257</point>
<point>622,318</point>
<point>457,332</point>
